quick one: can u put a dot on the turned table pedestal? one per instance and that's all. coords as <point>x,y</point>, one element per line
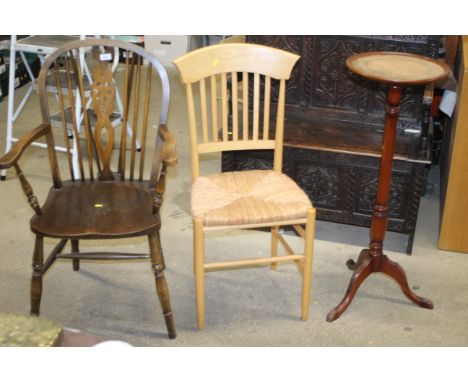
<point>395,70</point>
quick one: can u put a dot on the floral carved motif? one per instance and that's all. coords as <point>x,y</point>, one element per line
<point>333,84</point>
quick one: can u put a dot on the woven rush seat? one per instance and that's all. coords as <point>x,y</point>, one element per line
<point>247,197</point>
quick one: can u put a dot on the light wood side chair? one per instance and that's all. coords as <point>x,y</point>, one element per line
<point>247,199</point>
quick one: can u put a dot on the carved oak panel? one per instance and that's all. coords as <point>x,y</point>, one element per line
<point>333,86</point>
<point>342,186</point>
<point>321,82</point>
<point>340,183</point>
<point>367,188</point>
<point>321,182</point>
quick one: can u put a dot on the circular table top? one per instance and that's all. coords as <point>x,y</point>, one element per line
<point>397,68</point>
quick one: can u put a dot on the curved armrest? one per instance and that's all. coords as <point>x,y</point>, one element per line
<point>168,154</point>
<point>12,156</point>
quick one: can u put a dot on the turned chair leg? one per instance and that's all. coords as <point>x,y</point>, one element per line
<point>274,245</point>
<point>199,258</point>
<point>36,280</point>
<point>308,256</point>
<point>157,264</point>
<point>75,249</point>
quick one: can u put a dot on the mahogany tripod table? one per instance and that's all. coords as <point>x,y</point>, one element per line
<point>395,70</point>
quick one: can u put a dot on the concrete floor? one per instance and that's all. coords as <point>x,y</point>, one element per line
<point>250,307</point>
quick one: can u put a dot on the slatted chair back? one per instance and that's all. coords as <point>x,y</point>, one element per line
<point>103,148</point>
<point>212,75</point>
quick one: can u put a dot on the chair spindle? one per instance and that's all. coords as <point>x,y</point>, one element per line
<point>123,137</point>
<point>87,127</point>
<point>136,108</point>
<point>266,108</point>
<point>76,132</point>
<point>245,106</point>
<point>256,106</point>
<point>224,107</point>
<point>64,122</point>
<point>214,108</point>
<point>144,129</point>
<point>235,117</point>
<point>204,115</point>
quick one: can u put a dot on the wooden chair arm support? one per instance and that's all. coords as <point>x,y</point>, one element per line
<point>168,154</point>
<point>28,191</point>
<point>168,158</point>
<point>12,156</point>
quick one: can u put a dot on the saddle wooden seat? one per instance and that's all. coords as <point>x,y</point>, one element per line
<point>97,210</point>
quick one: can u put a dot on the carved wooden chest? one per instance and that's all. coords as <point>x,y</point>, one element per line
<point>334,129</point>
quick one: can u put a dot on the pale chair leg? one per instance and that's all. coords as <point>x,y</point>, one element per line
<point>199,258</point>
<point>308,255</point>
<point>157,263</point>
<point>274,245</point>
<point>75,249</point>
<point>36,280</point>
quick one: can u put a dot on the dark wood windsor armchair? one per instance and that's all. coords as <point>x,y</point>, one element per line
<point>108,195</point>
